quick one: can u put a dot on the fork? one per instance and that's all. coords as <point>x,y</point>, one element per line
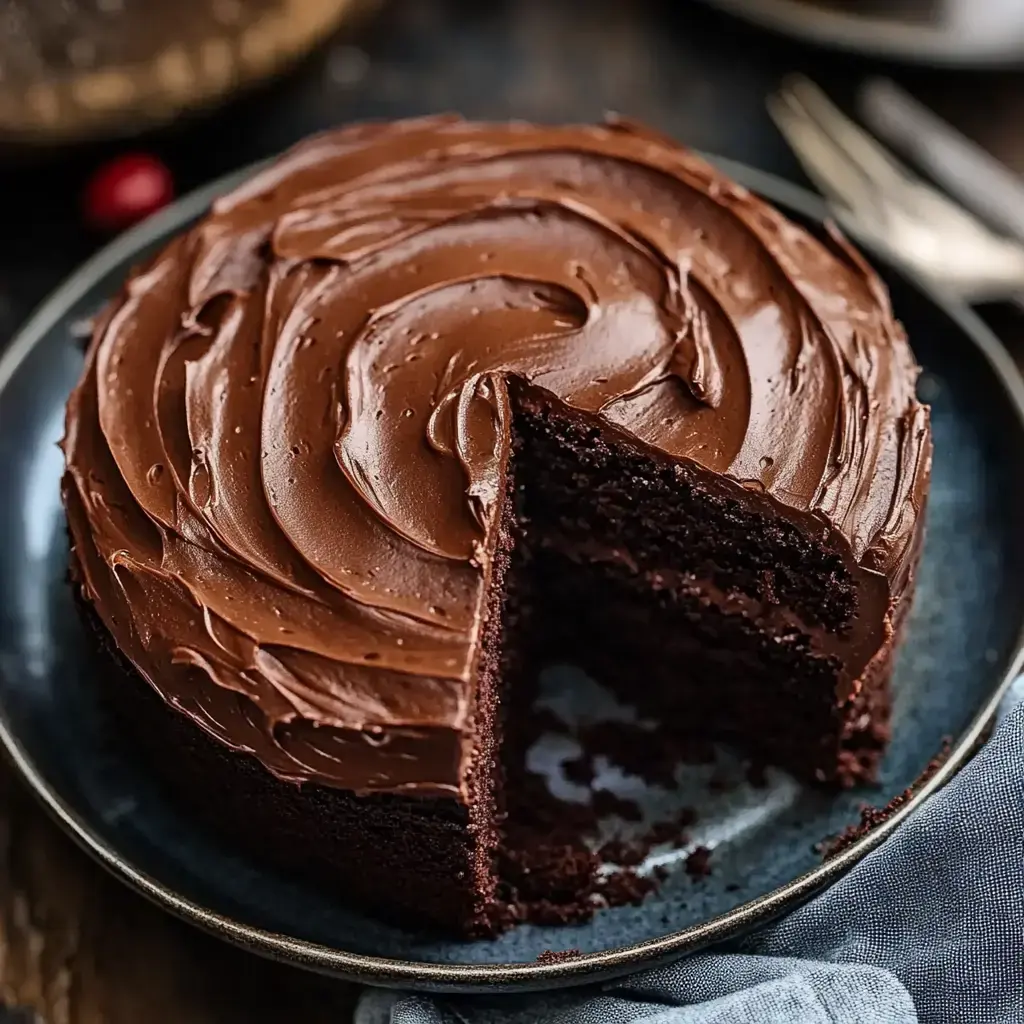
<point>880,201</point>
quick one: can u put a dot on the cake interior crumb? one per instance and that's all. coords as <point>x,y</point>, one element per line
<point>697,612</point>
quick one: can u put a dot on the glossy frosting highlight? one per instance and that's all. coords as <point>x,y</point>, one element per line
<point>286,453</point>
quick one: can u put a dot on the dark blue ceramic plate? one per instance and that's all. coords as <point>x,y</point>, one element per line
<point>960,653</point>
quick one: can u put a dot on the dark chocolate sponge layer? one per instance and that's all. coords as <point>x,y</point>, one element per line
<point>401,857</point>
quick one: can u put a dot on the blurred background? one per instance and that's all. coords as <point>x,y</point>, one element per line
<point>109,108</point>
<point>97,93</point>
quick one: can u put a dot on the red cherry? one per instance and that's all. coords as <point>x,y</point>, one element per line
<point>125,191</point>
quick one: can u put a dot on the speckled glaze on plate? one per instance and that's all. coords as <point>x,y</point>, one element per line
<point>962,650</point>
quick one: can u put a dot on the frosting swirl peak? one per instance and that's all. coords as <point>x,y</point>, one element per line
<point>287,452</point>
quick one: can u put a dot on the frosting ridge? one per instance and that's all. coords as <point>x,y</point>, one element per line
<point>286,454</point>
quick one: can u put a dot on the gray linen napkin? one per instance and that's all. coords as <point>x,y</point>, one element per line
<point>927,928</point>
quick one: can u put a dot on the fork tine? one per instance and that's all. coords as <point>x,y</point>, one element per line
<point>892,181</point>
<point>876,162</point>
<point>881,201</point>
<point>825,162</point>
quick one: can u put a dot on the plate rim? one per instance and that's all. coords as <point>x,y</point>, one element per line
<point>871,36</point>
<point>467,977</point>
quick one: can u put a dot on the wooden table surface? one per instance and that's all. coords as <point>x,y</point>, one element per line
<point>75,946</point>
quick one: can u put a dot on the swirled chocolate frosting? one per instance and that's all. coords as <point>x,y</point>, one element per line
<point>286,453</point>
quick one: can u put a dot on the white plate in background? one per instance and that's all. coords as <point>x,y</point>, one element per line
<point>953,33</point>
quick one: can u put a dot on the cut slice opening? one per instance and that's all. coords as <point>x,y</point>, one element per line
<point>696,601</point>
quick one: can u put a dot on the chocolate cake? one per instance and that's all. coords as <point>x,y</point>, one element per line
<point>427,404</point>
